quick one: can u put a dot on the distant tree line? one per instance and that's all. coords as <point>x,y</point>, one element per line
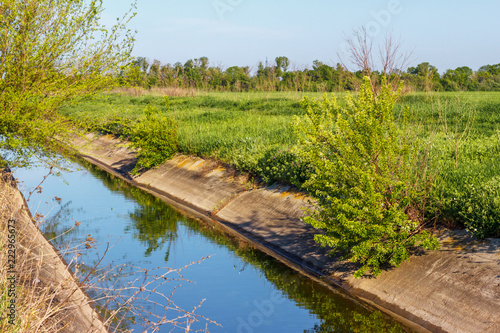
<point>198,74</point>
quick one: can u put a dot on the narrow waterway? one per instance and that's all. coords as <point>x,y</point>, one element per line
<point>242,289</point>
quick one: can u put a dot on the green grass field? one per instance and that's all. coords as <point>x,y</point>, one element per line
<point>232,127</point>
<point>253,132</point>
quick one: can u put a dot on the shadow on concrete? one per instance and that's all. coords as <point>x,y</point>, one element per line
<point>126,166</point>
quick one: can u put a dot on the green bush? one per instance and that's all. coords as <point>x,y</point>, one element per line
<point>478,207</point>
<point>156,137</point>
<point>282,165</point>
<point>370,178</point>
<point>113,124</point>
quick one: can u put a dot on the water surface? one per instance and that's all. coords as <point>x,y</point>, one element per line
<point>244,290</point>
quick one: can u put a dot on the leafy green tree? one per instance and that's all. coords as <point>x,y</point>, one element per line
<point>154,73</point>
<point>369,178</point>
<point>238,78</point>
<point>488,77</point>
<point>265,78</point>
<point>427,76</point>
<point>491,69</point>
<point>50,52</point>
<point>282,64</point>
<point>461,78</point>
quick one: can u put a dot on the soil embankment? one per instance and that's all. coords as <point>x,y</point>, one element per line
<point>54,293</point>
<point>455,289</point>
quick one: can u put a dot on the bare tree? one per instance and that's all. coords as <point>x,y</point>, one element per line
<point>359,51</point>
<point>392,57</point>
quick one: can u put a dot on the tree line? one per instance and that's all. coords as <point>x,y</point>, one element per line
<point>279,76</point>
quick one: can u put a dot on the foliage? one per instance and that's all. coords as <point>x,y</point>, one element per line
<point>155,136</point>
<point>285,166</point>
<point>320,77</point>
<point>51,51</point>
<point>196,73</point>
<point>469,190</point>
<point>370,179</point>
<point>478,207</point>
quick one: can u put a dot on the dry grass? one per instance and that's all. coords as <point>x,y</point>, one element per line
<point>156,91</point>
<point>39,305</point>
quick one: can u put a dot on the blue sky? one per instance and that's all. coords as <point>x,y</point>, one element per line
<point>446,33</point>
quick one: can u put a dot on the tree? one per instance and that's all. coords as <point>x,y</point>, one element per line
<point>51,52</point>
<point>426,74</point>
<point>491,69</point>
<point>282,64</point>
<point>358,52</point>
<point>488,77</point>
<point>461,78</point>
<point>238,78</point>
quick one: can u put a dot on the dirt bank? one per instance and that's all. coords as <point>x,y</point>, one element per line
<point>455,289</point>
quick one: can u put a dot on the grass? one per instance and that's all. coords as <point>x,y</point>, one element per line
<point>251,130</point>
<point>235,128</point>
<point>38,303</point>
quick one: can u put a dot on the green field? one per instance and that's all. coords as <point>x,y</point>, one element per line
<point>233,127</point>
<point>253,132</point>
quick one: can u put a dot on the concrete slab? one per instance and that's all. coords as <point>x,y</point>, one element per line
<point>199,183</point>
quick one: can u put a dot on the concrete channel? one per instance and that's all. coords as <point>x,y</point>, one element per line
<point>454,289</point>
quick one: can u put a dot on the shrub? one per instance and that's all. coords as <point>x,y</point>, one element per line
<point>370,178</point>
<point>478,207</point>
<point>285,166</point>
<point>156,136</point>
<point>112,124</point>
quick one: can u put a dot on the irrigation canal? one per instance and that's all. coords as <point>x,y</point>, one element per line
<point>244,290</point>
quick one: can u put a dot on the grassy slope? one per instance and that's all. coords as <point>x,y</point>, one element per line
<point>234,127</point>
<point>246,129</point>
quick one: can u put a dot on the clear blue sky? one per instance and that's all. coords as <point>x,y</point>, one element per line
<point>446,33</point>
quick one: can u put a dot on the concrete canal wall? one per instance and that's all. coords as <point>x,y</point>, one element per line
<point>455,289</point>
<point>74,310</point>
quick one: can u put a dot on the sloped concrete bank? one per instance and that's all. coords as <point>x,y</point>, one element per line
<point>72,307</point>
<point>455,289</point>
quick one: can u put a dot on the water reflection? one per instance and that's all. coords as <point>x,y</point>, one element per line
<point>245,289</point>
<point>155,224</point>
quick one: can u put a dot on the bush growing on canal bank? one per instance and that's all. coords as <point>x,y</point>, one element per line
<point>156,137</point>
<point>370,178</point>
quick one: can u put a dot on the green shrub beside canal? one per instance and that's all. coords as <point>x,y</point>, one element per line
<point>370,178</point>
<point>155,136</point>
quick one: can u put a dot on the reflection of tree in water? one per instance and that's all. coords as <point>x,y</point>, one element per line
<point>336,312</point>
<point>155,224</point>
